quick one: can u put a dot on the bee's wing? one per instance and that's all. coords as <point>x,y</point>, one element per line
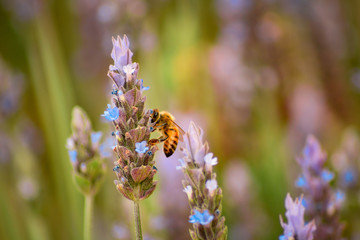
<point>181,131</point>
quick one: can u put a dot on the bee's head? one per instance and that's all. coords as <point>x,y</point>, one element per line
<point>155,115</point>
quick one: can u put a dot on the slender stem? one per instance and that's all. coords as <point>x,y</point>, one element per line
<point>88,212</point>
<point>137,221</point>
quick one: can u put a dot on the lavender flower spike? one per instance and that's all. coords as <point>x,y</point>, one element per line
<point>84,152</point>
<point>134,168</point>
<point>296,228</point>
<point>321,201</point>
<point>201,187</point>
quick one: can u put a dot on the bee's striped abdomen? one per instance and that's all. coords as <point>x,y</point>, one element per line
<point>171,143</point>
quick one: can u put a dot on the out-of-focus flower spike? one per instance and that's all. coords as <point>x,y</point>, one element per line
<point>321,201</point>
<point>84,152</point>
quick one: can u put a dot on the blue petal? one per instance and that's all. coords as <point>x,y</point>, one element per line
<point>206,218</point>
<point>339,196</point>
<point>282,237</point>
<point>304,203</point>
<point>349,177</point>
<point>301,182</point>
<point>73,156</point>
<point>95,137</point>
<point>193,219</point>
<point>327,176</point>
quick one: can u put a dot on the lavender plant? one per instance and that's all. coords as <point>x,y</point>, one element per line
<point>201,187</point>
<point>135,166</point>
<point>322,203</point>
<point>296,227</point>
<point>88,166</point>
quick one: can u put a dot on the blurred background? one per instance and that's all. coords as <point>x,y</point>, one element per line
<point>257,75</point>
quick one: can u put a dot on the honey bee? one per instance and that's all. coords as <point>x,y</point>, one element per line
<point>171,132</point>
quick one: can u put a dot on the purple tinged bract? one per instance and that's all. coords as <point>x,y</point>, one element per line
<point>121,53</point>
<point>296,227</point>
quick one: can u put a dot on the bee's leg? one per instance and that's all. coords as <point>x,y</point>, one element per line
<point>158,140</point>
<point>153,128</point>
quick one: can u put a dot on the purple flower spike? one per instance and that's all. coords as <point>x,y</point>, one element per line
<point>296,227</point>
<point>321,201</point>
<point>203,218</point>
<point>111,114</point>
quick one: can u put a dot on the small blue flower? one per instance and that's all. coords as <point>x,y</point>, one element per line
<point>349,177</point>
<point>73,156</point>
<point>142,88</point>
<point>111,114</point>
<point>95,137</point>
<point>203,218</point>
<point>301,182</point>
<point>114,92</point>
<point>339,196</point>
<point>327,176</point>
<point>282,237</point>
<point>304,203</point>
<point>116,168</point>
<point>141,147</point>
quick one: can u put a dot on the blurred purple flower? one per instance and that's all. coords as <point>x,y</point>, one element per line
<point>111,114</point>
<point>296,227</point>
<point>203,218</point>
<point>313,157</point>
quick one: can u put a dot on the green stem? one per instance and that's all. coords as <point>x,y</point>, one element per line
<point>88,212</point>
<point>137,220</point>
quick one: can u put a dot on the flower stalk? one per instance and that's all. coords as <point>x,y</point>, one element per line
<point>88,214</point>
<point>137,220</point>
<point>201,187</point>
